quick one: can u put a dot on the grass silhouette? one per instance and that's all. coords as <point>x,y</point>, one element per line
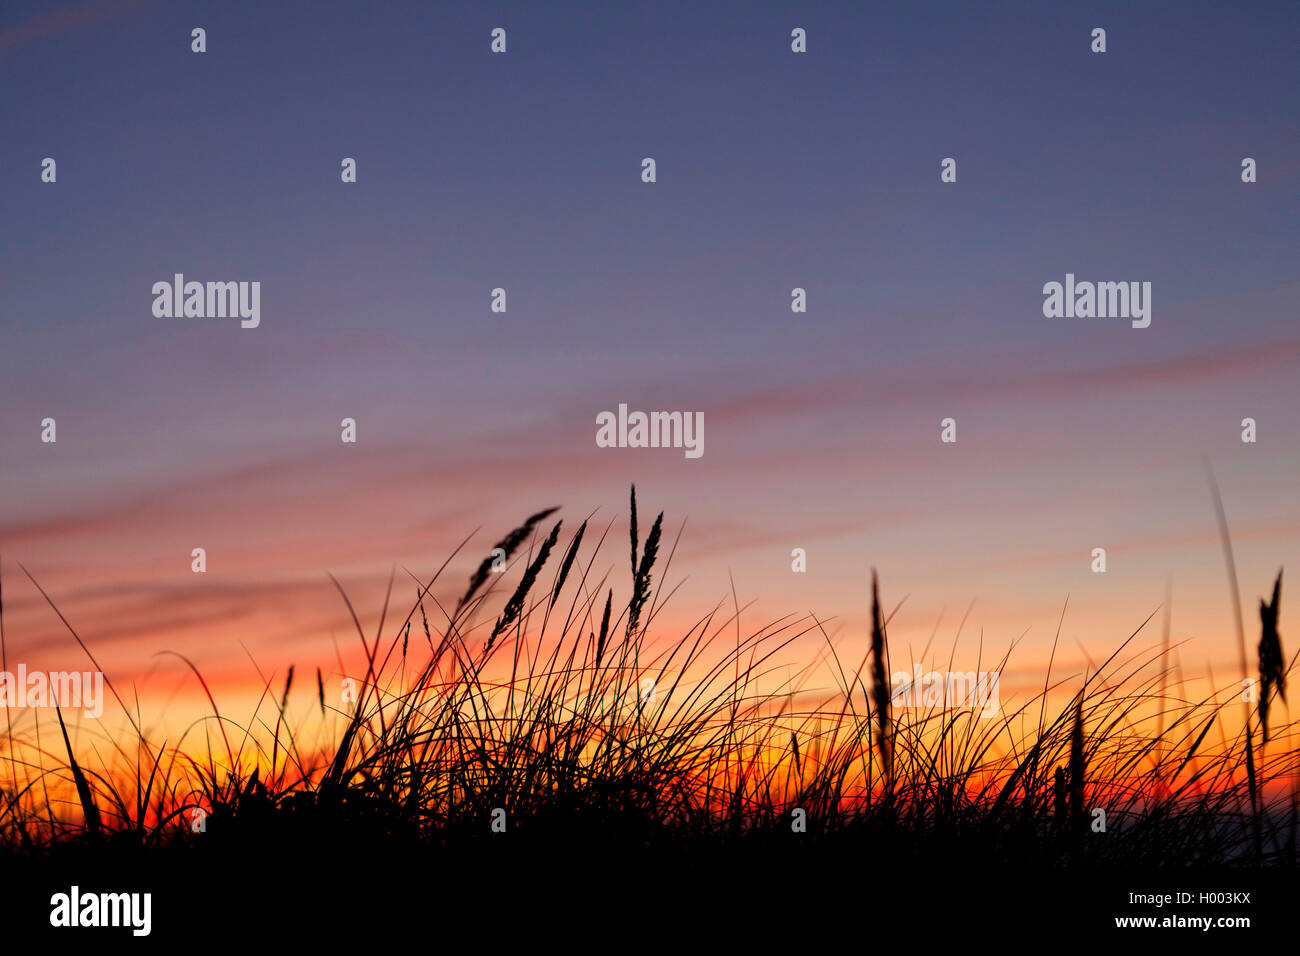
<point>559,728</point>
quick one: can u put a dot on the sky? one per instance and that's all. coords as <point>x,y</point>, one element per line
<point>522,170</point>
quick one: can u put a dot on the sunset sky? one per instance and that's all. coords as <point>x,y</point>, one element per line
<point>522,171</point>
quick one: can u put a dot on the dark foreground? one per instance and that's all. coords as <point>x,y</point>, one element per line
<point>609,895</point>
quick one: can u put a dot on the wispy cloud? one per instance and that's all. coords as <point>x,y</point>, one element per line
<point>53,23</point>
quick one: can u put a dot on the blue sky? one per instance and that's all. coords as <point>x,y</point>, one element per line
<point>775,170</point>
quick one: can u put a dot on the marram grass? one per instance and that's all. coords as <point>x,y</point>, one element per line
<point>562,716</point>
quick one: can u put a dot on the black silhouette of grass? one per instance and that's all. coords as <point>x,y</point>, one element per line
<point>545,715</point>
